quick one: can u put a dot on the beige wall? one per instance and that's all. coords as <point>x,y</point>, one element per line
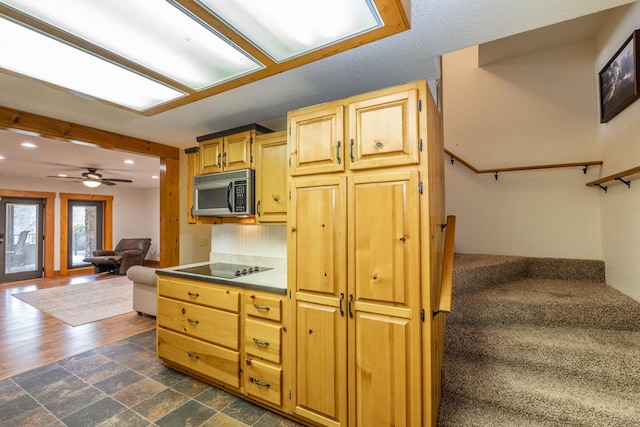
<point>534,109</point>
<point>619,147</point>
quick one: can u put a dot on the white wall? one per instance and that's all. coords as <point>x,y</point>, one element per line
<point>135,211</point>
<point>619,147</point>
<point>533,109</point>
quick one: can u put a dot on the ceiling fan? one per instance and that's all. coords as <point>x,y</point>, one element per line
<point>92,178</point>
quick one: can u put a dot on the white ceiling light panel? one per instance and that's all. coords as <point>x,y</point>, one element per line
<point>284,29</point>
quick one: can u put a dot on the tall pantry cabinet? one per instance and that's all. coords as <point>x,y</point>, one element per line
<point>365,254</point>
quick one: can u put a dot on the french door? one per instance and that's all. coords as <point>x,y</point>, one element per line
<point>21,243</point>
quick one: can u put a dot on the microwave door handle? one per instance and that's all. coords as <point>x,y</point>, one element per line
<point>229,187</point>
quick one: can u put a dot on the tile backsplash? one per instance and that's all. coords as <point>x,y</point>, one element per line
<point>255,241</point>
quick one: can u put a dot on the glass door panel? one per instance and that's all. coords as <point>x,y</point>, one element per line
<point>20,239</point>
<point>85,231</point>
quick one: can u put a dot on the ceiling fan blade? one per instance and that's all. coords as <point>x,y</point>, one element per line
<point>107,182</point>
<point>64,177</point>
<point>117,180</point>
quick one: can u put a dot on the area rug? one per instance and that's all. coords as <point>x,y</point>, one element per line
<point>83,302</point>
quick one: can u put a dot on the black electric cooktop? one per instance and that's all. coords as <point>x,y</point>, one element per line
<point>224,270</point>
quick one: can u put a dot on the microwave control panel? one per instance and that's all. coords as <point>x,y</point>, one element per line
<point>240,196</point>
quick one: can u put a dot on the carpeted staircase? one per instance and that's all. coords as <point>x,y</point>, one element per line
<point>539,342</point>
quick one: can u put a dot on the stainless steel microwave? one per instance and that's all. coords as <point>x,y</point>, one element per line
<point>224,194</point>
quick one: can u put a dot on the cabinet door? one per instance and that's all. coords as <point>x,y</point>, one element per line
<point>317,228</point>
<point>384,371</point>
<point>271,177</point>
<point>238,152</point>
<point>211,156</point>
<point>383,131</point>
<point>384,238</point>
<point>320,384</point>
<point>316,140</point>
<point>317,244</point>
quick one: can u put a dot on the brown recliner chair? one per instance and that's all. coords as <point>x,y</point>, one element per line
<point>127,253</point>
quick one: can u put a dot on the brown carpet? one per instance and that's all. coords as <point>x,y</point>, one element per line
<point>84,302</point>
<point>539,342</point>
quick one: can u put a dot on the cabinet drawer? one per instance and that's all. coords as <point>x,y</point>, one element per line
<point>199,293</point>
<point>263,381</point>
<point>262,340</point>
<point>263,307</point>
<point>208,359</point>
<point>216,326</point>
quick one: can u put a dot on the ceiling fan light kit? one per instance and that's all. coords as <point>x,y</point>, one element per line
<point>91,183</point>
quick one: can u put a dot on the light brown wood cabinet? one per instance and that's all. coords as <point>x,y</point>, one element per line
<point>363,255</point>
<point>227,153</point>
<point>381,131</point>
<point>271,178</point>
<point>198,328</point>
<point>226,335</point>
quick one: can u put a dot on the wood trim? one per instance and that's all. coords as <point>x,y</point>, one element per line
<point>107,238</point>
<point>169,212</point>
<point>446,282</point>
<point>58,129</point>
<point>49,227</point>
<point>169,164</point>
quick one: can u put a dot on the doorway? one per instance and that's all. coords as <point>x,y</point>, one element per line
<point>21,238</point>
<point>85,231</point>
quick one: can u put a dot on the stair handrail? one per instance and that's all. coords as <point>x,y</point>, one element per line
<point>616,177</point>
<point>446,281</point>
<point>495,171</point>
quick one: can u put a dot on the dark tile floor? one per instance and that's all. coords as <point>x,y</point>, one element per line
<point>122,384</point>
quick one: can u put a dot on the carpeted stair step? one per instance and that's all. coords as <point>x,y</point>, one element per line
<point>587,355</point>
<point>458,411</point>
<point>548,303</point>
<point>539,396</point>
<point>473,272</point>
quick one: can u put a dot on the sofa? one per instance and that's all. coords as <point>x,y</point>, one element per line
<point>127,253</point>
<point>144,289</point>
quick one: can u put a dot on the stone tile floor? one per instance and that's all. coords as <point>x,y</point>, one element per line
<point>122,384</point>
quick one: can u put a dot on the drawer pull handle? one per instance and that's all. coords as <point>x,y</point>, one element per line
<point>261,343</point>
<point>193,294</point>
<point>193,321</point>
<point>261,307</point>
<point>258,382</point>
<point>193,355</point>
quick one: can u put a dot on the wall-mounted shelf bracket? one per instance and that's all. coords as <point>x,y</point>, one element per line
<point>452,159</point>
<point>627,183</point>
<point>496,175</point>
<point>602,187</point>
<point>585,169</point>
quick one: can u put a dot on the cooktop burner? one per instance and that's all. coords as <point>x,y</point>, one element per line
<point>224,270</point>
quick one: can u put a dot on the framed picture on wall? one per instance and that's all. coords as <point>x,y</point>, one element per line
<point>619,80</point>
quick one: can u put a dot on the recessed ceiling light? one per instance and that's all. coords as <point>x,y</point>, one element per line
<point>2,157</point>
<point>28,144</point>
<point>129,161</point>
<point>62,175</point>
<point>155,176</point>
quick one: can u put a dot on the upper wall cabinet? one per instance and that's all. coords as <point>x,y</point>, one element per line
<point>271,177</point>
<point>317,139</point>
<point>382,131</point>
<point>228,150</point>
